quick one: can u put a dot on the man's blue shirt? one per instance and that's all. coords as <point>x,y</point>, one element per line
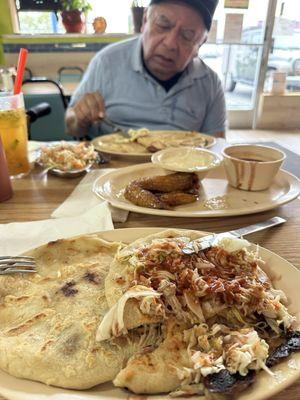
<point>133,99</point>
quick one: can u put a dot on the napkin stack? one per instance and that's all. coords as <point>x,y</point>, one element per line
<point>81,213</point>
<point>19,237</point>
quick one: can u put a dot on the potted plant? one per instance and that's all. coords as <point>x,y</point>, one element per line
<point>137,10</point>
<point>73,14</point>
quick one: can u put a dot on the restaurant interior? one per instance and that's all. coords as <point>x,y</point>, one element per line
<point>149,199</point>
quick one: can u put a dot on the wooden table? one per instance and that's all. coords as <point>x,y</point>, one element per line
<point>37,195</point>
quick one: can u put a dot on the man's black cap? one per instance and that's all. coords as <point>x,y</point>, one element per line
<point>204,7</point>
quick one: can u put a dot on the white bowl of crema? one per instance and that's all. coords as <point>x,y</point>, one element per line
<point>187,159</point>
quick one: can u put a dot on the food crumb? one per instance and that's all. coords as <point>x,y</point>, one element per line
<point>216,203</point>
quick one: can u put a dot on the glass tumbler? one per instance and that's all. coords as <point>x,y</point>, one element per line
<point>14,134</point>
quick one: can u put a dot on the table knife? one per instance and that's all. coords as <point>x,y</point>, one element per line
<point>205,242</point>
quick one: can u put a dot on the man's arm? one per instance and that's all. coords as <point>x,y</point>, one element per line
<point>219,134</point>
<point>72,125</point>
<point>216,117</point>
<point>89,109</point>
<point>87,103</point>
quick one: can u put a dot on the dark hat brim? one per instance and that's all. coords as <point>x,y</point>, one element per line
<point>205,8</point>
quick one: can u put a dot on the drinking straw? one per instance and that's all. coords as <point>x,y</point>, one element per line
<point>20,70</point>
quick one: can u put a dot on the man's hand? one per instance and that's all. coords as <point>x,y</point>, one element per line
<point>219,134</point>
<point>89,109</point>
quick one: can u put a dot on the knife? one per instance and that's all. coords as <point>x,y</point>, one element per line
<point>205,242</point>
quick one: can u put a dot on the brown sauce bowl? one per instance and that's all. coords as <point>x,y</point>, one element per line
<point>251,167</point>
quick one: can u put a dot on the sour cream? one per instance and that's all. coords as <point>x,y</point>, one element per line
<point>187,159</point>
<point>231,243</point>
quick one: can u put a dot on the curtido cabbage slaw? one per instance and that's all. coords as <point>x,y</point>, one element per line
<point>222,294</point>
<point>67,156</point>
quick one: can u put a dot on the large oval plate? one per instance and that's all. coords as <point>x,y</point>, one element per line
<point>215,192</point>
<point>115,145</point>
<point>264,387</point>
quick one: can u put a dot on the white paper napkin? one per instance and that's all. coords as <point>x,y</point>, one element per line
<point>82,199</point>
<point>17,237</point>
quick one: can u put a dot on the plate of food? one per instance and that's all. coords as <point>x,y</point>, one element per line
<point>67,160</point>
<point>127,314</point>
<point>150,189</point>
<point>142,143</point>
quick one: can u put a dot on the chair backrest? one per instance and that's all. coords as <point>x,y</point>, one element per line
<point>52,126</point>
<point>70,74</point>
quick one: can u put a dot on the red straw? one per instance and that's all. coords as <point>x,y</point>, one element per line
<point>20,70</point>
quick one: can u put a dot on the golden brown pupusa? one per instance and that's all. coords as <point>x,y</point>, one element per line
<point>48,320</point>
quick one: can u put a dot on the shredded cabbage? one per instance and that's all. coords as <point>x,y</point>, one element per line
<point>112,324</point>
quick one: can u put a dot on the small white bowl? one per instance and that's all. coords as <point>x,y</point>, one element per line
<point>251,167</point>
<point>187,159</point>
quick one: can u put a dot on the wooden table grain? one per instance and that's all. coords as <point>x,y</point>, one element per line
<point>37,195</point>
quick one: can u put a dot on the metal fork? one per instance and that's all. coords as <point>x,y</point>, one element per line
<point>17,264</point>
<point>117,128</point>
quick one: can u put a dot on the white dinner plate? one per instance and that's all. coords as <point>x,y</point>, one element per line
<point>102,144</point>
<point>287,278</point>
<point>215,192</point>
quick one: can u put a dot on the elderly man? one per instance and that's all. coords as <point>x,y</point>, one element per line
<point>155,80</point>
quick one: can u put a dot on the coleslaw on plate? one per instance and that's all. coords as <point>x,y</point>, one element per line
<point>229,310</point>
<point>67,156</point>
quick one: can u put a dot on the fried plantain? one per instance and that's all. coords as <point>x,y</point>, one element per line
<point>143,198</point>
<point>177,198</point>
<point>179,181</point>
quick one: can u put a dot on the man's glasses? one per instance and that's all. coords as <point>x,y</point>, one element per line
<point>186,37</point>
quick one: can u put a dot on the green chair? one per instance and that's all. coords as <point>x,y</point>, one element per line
<point>70,74</point>
<point>52,126</point>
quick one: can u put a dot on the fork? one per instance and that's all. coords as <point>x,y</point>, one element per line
<point>117,128</point>
<point>16,264</point>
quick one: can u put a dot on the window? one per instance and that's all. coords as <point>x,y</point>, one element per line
<point>238,64</point>
<point>37,16</point>
<point>285,52</point>
<point>116,12</point>
<point>36,22</point>
<point>37,5</point>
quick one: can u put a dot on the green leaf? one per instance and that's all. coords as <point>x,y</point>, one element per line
<point>81,5</point>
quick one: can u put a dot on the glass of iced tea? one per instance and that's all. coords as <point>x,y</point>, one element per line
<point>14,135</point>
